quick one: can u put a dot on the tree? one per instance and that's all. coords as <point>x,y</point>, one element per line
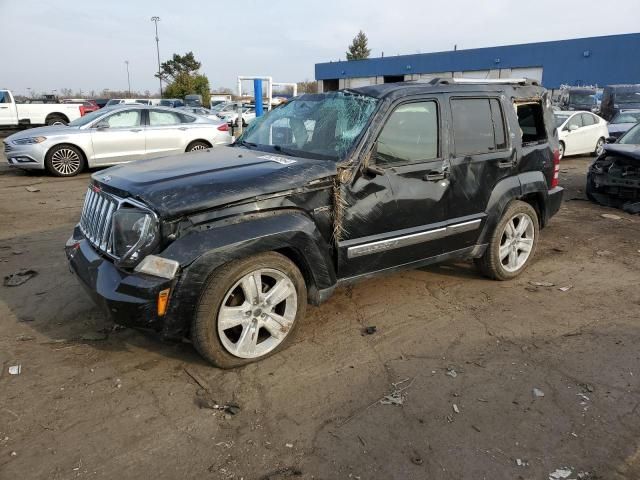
<point>358,49</point>
<point>308,86</point>
<point>183,77</point>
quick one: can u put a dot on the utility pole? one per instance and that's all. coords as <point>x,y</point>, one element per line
<point>156,20</point>
<point>128,79</point>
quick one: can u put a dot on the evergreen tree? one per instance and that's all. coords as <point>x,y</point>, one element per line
<point>358,48</point>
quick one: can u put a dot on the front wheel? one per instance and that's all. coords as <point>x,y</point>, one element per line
<point>561,150</point>
<point>64,161</point>
<point>512,244</point>
<point>249,309</point>
<point>197,145</point>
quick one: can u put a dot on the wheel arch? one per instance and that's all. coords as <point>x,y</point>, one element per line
<point>69,144</point>
<point>56,114</point>
<point>200,252</point>
<point>197,140</point>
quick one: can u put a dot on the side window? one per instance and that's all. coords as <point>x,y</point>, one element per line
<point>472,126</point>
<point>186,118</point>
<point>588,120</point>
<point>498,124</point>
<point>576,121</point>
<point>531,122</point>
<point>126,119</point>
<point>4,97</point>
<point>410,135</point>
<point>159,118</point>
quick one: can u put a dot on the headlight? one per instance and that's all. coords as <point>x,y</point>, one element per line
<point>135,232</point>
<point>29,141</point>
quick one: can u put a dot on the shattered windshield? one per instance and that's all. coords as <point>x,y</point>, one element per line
<point>324,125</point>
<point>582,99</point>
<point>627,97</point>
<point>632,137</point>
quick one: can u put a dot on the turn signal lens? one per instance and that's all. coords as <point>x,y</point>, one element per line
<point>163,301</point>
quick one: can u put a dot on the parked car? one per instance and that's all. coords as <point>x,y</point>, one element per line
<point>204,112</point>
<point>613,178</point>
<point>622,122</point>
<point>579,98</point>
<point>112,135</point>
<point>171,102</point>
<point>193,100</point>
<point>130,101</point>
<point>580,133</point>
<point>101,102</point>
<point>228,246</point>
<point>248,115</point>
<point>617,98</point>
<point>13,114</point>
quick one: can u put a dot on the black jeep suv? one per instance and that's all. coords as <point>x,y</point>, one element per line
<point>228,245</point>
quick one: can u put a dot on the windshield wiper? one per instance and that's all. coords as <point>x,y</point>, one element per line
<point>284,151</point>
<point>244,143</point>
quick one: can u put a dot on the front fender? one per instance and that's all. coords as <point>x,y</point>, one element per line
<point>208,247</point>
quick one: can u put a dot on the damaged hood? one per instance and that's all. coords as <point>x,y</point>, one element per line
<point>630,151</point>
<point>191,182</point>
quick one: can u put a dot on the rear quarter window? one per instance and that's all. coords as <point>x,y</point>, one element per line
<point>531,122</point>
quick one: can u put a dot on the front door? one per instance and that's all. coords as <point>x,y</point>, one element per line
<point>395,212</point>
<point>8,112</point>
<point>118,137</point>
<point>164,134</point>
<point>577,136</point>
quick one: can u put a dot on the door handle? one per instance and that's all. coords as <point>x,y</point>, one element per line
<point>135,130</point>
<point>4,107</point>
<point>435,176</point>
<point>506,163</point>
<point>182,128</point>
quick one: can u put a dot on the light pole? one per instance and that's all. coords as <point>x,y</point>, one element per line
<point>156,20</point>
<point>128,79</point>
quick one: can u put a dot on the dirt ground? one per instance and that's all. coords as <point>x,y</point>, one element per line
<point>464,353</point>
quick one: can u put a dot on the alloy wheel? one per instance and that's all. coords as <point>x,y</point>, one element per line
<point>516,242</point>
<point>600,147</point>
<point>65,161</point>
<point>257,313</point>
<point>198,146</point>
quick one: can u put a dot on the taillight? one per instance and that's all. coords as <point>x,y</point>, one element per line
<point>83,112</point>
<point>224,127</point>
<point>556,168</point>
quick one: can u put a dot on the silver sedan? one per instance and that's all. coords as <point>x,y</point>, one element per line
<point>110,136</point>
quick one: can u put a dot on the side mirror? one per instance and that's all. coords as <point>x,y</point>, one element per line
<point>573,128</point>
<point>101,125</point>
<point>611,139</point>
<point>373,169</point>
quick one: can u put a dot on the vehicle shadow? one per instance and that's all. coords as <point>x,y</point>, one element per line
<point>54,305</point>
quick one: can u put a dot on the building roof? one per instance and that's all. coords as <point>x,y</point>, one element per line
<point>582,61</point>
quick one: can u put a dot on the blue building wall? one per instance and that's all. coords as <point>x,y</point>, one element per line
<point>584,61</point>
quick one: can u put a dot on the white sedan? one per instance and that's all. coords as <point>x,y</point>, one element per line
<point>580,133</point>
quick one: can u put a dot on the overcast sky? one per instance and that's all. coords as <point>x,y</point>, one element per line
<point>82,44</point>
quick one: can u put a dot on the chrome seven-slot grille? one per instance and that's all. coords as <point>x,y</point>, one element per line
<point>95,221</point>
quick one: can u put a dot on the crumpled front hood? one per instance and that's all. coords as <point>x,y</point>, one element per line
<point>191,182</point>
<point>630,151</point>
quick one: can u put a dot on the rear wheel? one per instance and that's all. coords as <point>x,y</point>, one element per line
<point>599,147</point>
<point>249,309</point>
<point>197,145</point>
<point>513,243</point>
<point>56,120</point>
<point>64,161</point>
<point>561,150</point>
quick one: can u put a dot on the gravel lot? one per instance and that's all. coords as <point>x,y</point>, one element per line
<point>464,352</point>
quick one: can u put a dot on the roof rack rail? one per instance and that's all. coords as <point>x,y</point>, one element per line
<point>481,81</point>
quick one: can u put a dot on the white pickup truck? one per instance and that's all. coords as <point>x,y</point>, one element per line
<point>13,115</point>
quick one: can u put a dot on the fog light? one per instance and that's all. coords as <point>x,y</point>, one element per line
<point>163,301</point>
<point>158,266</point>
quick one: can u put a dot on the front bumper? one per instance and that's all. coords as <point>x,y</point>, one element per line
<point>128,299</point>
<point>554,200</point>
<point>26,156</point>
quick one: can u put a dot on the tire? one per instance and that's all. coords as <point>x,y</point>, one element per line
<point>197,145</point>
<point>64,161</point>
<point>56,120</point>
<point>599,147</point>
<point>225,289</point>
<point>590,188</point>
<point>491,264</point>
<point>561,150</point>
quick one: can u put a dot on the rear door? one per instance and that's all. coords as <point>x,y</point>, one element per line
<point>575,139</point>
<point>481,155</point>
<point>593,131</point>
<point>118,137</point>
<point>164,133</point>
